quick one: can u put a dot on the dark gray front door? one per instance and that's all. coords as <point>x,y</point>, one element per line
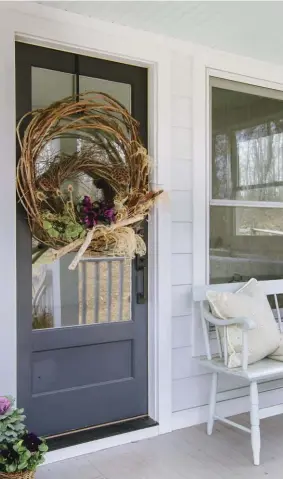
<point>82,335</point>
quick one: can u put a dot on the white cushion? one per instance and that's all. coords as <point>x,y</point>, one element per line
<point>248,302</point>
<point>278,353</point>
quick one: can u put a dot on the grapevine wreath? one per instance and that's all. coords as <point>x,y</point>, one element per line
<point>108,155</point>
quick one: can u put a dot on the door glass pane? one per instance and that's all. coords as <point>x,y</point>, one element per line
<point>104,290</point>
<point>245,243</point>
<point>49,86</point>
<point>118,91</point>
<point>247,144</point>
<point>99,290</point>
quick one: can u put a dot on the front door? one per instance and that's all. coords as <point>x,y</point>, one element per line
<point>82,335</point>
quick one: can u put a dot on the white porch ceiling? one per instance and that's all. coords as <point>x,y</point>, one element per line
<point>250,28</point>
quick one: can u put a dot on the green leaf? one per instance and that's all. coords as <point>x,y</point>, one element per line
<point>46,225</point>
<point>53,233</point>
<point>17,446</point>
<point>27,454</point>
<point>11,467</point>
<point>73,230</point>
<point>43,447</point>
<point>19,427</point>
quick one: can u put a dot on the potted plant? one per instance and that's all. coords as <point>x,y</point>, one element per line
<point>20,451</point>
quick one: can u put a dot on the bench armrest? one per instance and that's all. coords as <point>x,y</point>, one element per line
<point>245,323</point>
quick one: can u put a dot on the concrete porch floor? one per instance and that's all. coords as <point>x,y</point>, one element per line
<point>184,454</point>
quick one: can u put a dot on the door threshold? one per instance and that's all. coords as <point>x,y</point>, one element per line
<point>81,436</point>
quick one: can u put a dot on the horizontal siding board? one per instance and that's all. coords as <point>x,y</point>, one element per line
<point>181,300</point>
<point>181,77</point>
<point>181,269</point>
<point>181,331</point>
<point>227,383</point>
<point>182,142</point>
<point>181,175</point>
<point>190,392</point>
<point>184,366</point>
<point>181,112</point>
<point>194,391</point>
<point>182,238</point>
<point>244,390</point>
<point>181,206</point>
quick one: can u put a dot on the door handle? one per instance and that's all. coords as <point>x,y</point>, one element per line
<point>141,268</point>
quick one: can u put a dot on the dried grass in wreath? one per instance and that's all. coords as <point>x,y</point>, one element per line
<point>110,154</point>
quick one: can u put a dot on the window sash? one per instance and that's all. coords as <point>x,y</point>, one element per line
<point>215,82</point>
<point>245,88</point>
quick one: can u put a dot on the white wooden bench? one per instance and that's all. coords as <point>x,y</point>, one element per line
<point>264,370</point>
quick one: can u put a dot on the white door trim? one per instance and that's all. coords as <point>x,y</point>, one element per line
<point>58,29</point>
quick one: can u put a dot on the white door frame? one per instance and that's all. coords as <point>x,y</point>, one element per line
<point>50,27</point>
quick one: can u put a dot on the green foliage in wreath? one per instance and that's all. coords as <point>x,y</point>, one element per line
<point>64,226</point>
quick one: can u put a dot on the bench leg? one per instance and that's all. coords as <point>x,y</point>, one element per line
<point>255,428</point>
<point>212,403</point>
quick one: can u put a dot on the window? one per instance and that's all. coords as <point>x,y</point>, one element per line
<point>246,204</point>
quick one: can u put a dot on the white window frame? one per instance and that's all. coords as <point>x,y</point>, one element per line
<point>237,69</point>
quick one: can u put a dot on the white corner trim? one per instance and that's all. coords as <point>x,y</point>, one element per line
<point>200,176</point>
<point>43,26</point>
<point>160,248</point>
<point>100,444</point>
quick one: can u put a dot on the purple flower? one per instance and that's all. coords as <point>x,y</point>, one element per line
<point>109,213</point>
<point>5,404</point>
<point>86,201</point>
<point>96,212</point>
<point>9,454</point>
<point>31,441</point>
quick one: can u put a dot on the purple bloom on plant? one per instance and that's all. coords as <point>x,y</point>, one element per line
<point>31,441</point>
<point>9,453</point>
<point>86,201</point>
<point>5,404</point>
<point>110,214</point>
<point>93,213</point>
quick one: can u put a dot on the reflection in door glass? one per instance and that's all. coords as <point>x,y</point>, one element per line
<point>104,290</point>
<point>119,91</point>
<point>49,86</point>
<point>99,290</point>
